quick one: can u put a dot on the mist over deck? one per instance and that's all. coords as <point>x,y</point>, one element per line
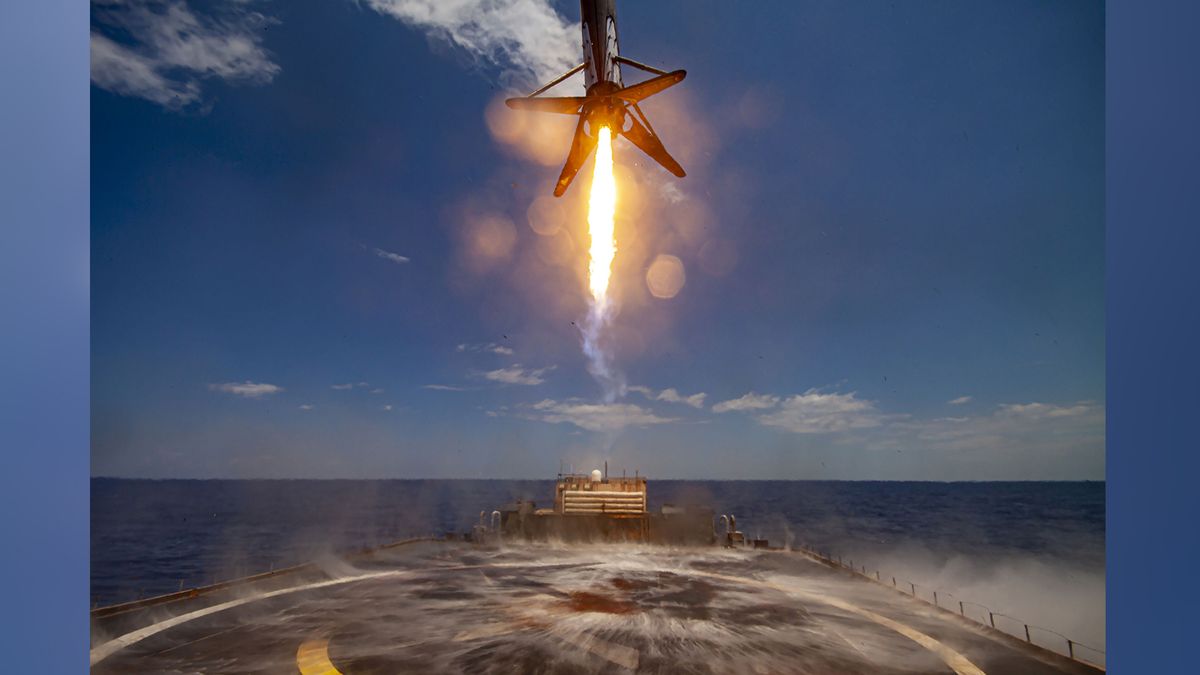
<point>558,608</point>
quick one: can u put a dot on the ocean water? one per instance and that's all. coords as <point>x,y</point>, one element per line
<point>1033,550</point>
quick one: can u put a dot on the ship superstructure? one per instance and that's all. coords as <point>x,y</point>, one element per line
<point>598,507</point>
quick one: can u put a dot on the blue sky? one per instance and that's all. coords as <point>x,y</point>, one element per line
<point>313,256</point>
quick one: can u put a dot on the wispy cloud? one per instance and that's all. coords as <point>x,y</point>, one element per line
<point>671,193</point>
<point>670,395</point>
<point>247,389</point>
<point>305,406</point>
<point>377,391</point>
<point>593,416</point>
<point>162,51</point>
<point>490,347</point>
<point>815,413</point>
<point>960,400</point>
<point>1009,428</point>
<point>750,401</point>
<point>388,407</point>
<point>443,387</point>
<point>1044,410</point>
<point>526,38</point>
<point>394,257</point>
<point>516,374</point>
<point>343,387</point>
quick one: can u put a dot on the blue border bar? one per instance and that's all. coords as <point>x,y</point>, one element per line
<point>44,305</point>
<point>1154,331</point>
<point>1153,194</point>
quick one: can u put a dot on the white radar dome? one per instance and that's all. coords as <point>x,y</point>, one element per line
<point>596,475</point>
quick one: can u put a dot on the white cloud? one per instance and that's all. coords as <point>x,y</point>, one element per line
<point>443,387</point>
<point>1044,410</point>
<point>247,389</point>
<point>490,347</point>
<point>387,407</point>
<point>815,413</point>
<point>305,406</point>
<point>167,49</point>
<point>377,391</point>
<point>526,38</point>
<point>960,400</point>
<point>1011,428</point>
<point>594,416</point>
<point>670,395</point>
<point>343,387</point>
<point>394,257</point>
<point>516,374</point>
<point>750,401</point>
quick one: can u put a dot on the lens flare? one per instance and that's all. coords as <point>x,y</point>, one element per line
<point>602,206</point>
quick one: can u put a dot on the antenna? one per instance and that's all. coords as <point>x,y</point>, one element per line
<point>606,471</point>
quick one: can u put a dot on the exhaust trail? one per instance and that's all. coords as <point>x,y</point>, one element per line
<point>602,205</point>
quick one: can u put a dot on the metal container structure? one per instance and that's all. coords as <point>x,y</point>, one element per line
<point>596,507</point>
<point>585,495</point>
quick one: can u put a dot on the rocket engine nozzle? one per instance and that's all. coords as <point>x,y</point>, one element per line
<point>606,105</point>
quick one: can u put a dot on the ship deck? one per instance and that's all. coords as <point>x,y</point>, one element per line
<point>457,608</point>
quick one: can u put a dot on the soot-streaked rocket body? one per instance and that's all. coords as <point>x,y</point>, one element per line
<point>608,102</point>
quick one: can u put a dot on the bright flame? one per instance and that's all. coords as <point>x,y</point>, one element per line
<point>601,207</point>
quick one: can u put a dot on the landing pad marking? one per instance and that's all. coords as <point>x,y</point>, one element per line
<point>111,647</point>
<point>957,662</point>
<point>98,654</point>
<point>313,658</point>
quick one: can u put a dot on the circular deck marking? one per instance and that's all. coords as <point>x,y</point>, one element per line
<point>115,645</point>
<point>111,647</point>
<point>312,657</point>
<point>957,662</point>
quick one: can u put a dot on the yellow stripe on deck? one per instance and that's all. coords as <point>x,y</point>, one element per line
<point>313,658</point>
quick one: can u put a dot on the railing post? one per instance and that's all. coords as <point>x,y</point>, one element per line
<point>876,575</point>
<point>1027,633</point>
<point>961,611</point>
<point>914,588</point>
<point>1070,648</point>
<point>893,581</point>
<point>935,604</point>
<point>992,619</point>
<point>181,584</point>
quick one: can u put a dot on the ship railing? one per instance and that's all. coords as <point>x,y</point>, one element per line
<point>978,613</point>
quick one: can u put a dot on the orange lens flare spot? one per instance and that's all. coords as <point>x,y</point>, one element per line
<point>665,277</point>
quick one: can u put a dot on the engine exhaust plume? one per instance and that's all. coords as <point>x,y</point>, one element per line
<point>602,205</point>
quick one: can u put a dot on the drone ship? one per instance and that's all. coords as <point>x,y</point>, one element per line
<point>597,582</point>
